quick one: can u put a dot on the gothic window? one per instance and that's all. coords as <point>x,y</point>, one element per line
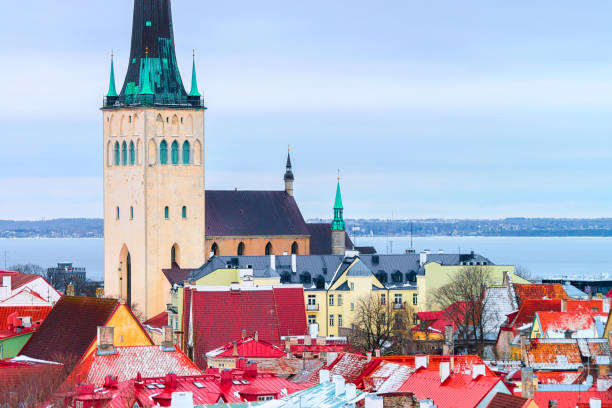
<point>124,154</point>
<point>118,213</point>
<point>117,154</point>
<point>131,213</point>
<point>166,212</point>
<point>214,250</point>
<point>184,212</point>
<point>132,154</point>
<point>294,248</point>
<point>186,152</point>
<point>269,248</point>
<point>174,255</point>
<point>241,249</point>
<point>175,153</point>
<point>163,152</point>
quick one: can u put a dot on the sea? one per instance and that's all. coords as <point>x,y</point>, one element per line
<point>543,257</point>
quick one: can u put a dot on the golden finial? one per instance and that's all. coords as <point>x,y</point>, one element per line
<point>194,52</point>
<point>147,50</point>
<point>288,148</point>
<point>112,53</point>
<point>338,174</point>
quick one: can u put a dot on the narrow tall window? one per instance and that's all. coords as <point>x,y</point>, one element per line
<point>415,299</point>
<point>339,300</point>
<point>294,248</point>
<point>339,320</point>
<point>131,213</point>
<point>175,154</point>
<point>132,154</point>
<point>184,212</point>
<point>124,154</point>
<point>118,214</point>
<point>331,300</point>
<point>241,249</point>
<point>166,212</point>
<point>186,153</point>
<point>163,152</point>
<point>117,154</point>
<point>331,319</point>
<point>269,248</point>
<point>214,250</point>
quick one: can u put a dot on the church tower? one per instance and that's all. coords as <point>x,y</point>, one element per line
<point>289,178</point>
<point>338,226</point>
<point>153,167</point>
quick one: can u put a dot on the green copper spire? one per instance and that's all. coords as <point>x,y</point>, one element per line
<point>338,222</point>
<point>112,91</point>
<point>146,77</point>
<point>194,80</point>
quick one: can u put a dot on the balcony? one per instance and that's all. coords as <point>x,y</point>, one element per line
<point>312,308</point>
<point>398,306</point>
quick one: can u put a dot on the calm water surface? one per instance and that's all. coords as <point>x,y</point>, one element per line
<point>544,257</point>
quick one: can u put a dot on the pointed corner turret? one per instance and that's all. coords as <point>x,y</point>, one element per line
<point>289,178</point>
<point>112,90</point>
<point>194,81</point>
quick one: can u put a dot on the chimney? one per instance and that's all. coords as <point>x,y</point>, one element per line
<point>478,370</point>
<point>524,348</point>
<point>594,403</point>
<point>287,345</point>
<point>294,263</point>
<point>5,290</point>
<point>273,262</point>
<point>563,305</point>
<point>606,305</point>
<point>168,343</point>
<point>331,357</point>
<point>527,387</point>
<point>70,290</point>
<point>106,340</point>
<point>369,355</point>
<point>323,376</point>
<point>423,257</point>
<point>377,352</point>
<point>182,400</point>
<point>339,385</point>
<point>552,404</point>
<point>307,340</point>
<point>444,371</point>
<point>256,336</point>
<point>99,293</point>
<point>420,361</point>
<point>243,334</point>
<point>350,392</point>
<point>235,349</point>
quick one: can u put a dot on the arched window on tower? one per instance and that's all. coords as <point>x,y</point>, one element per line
<point>163,152</point>
<point>118,213</point>
<point>184,212</point>
<point>269,248</point>
<point>241,249</point>
<point>124,154</point>
<point>186,152</point>
<point>117,154</point>
<point>131,213</point>
<point>174,255</point>
<point>214,249</point>
<point>166,212</point>
<point>175,153</point>
<point>132,154</point>
<point>294,248</point>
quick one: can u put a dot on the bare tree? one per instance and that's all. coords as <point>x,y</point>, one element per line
<point>378,325</point>
<point>30,268</point>
<point>463,298</point>
<point>523,272</point>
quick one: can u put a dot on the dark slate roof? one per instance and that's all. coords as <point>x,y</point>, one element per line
<point>244,213</point>
<point>326,266</point>
<point>366,250</point>
<point>176,274</point>
<point>320,239</point>
<point>70,329</point>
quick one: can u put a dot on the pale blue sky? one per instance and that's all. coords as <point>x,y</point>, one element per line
<point>431,109</point>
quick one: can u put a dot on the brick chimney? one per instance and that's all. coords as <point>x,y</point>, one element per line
<point>106,340</point>
<point>563,305</point>
<point>256,336</point>
<point>235,349</point>
<point>527,388</point>
<point>244,334</point>
<point>168,342</point>
<point>70,290</point>
<point>524,349</point>
<point>377,352</point>
<point>307,340</point>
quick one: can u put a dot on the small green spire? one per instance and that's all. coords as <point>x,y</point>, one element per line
<point>146,75</point>
<point>112,91</point>
<point>194,80</point>
<point>338,222</point>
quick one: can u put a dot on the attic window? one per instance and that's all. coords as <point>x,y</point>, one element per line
<point>198,384</point>
<point>236,382</point>
<point>151,386</point>
<point>245,382</point>
<point>148,24</point>
<point>161,386</point>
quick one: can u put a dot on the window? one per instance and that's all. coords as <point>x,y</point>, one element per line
<point>163,152</point>
<point>166,212</point>
<point>186,152</point>
<point>415,299</point>
<point>339,320</point>
<point>131,213</point>
<point>294,248</point>
<point>184,212</point>
<point>331,300</point>
<point>269,248</point>
<point>117,212</point>
<point>312,300</point>
<point>214,249</point>
<point>124,154</point>
<point>398,299</point>
<point>132,154</point>
<point>352,307</point>
<point>241,249</point>
<point>175,154</point>
<point>117,154</point>
<point>306,278</point>
<point>320,282</point>
<point>331,319</point>
<point>173,255</point>
<point>352,286</point>
<point>339,300</point>
<point>265,398</point>
<point>312,319</point>
<point>383,299</point>
<point>397,277</point>
<point>415,318</point>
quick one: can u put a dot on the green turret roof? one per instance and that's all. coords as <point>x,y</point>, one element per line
<point>338,222</point>
<point>194,81</point>
<point>338,202</point>
<point>145,77</point>
<point>112,91</point>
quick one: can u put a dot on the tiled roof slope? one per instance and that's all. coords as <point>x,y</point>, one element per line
<point>348,365</point>
<point>529,307</point>
<point>36,312</point>
<point>158,321</point>
<point>243,213</point>
<point>460,364</point>
<point>571,399</point>
<point>320,239</point>
<point>220,316</point>
<point>557,323</point>
<point>128,362</point>
<point>499,305</point>
<point>561,354</point>
<point>508,401</point>
<point>18,279</point>
<point>177,275</point>
<point>69,329</point>
<point>248,348</point>
<point>540,291</point>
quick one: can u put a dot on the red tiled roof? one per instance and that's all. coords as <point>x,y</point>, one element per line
<point>560,377</point>
<point>540,291</point>
<point>429,316</point>
<point>571,399</point>
<point>69,329</point>
<point>460,364</point>
<point>594,305</point>
<point>13,372</point>
<point>36,312</point>
<point>220,316</point>
<point>563,321</point>
<point>458,390</point>
<point>529,307</point>
<point>508,401</point>
<point>159,321</point>
<point>348,365</point>
<point>19,279</point>
<point>547,352</point>
<point>149,361</point>
<point>248,348</point>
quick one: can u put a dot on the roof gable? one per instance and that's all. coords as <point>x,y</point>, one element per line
<point>248,348</point>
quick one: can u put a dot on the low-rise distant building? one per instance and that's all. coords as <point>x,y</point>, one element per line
<point>249,349</point>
